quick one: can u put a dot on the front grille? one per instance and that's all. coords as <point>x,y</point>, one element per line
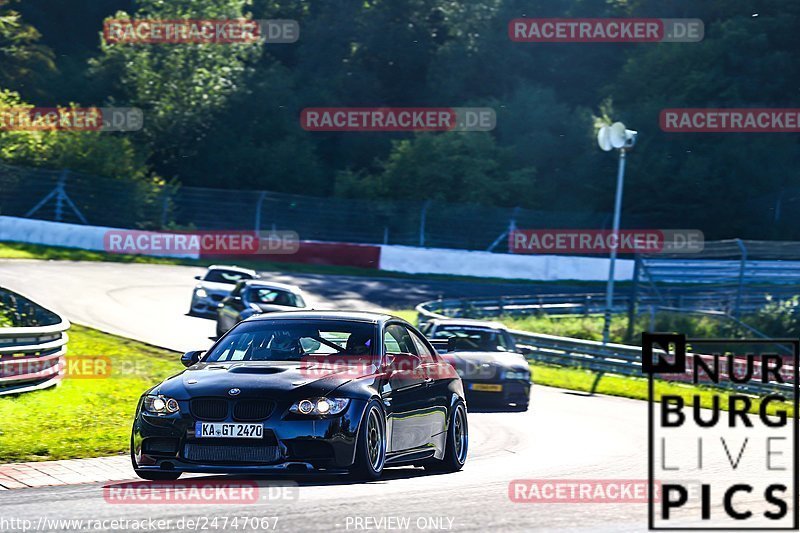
<point>252,410</point>
<point>213,453</point>
<point>209,408</point>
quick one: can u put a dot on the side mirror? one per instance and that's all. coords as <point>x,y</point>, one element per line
<point>198,277</point>
<point>524,350</point>
<point>191,358</point>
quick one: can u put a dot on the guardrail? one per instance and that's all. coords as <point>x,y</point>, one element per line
<point>33,343</point>
<point>566,304</point>
<point>626,360</point>
<point>620,359</point>
<point>586,303</point>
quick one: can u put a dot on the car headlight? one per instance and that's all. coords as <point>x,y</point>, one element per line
<point>160,405</point>
<point>517,374</point>
<point>319,406</point>
<point>200,292</point>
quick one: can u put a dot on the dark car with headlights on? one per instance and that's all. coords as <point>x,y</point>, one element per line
<point>489,361</point>
<point>252,297</point>
<point>341,392</point>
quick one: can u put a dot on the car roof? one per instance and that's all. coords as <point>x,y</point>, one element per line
<point>234,268</point>
<point>270,285</point>
<point>356,316</point>
<point>468,322</point>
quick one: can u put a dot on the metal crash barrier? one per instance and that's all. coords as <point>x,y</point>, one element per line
<point>33,343</point>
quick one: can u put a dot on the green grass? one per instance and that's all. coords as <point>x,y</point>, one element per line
<point>84,417</point>
<point>579,326</point>
<point>633,387</point>
<point>409,315</point>
<point>14,250</point>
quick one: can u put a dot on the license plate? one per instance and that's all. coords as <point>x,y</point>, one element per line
<point>486,387</point>
<point>225,430</point>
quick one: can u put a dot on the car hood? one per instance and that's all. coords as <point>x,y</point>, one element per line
<point>485,364</point>
<point>260,379</point>
<point>215,287</point>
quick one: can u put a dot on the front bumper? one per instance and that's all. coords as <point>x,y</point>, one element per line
<point>290,443</point>
<point>502,393</point>
<point>206,306</point>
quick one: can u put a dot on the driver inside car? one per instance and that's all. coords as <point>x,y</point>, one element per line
<point>285,345</point>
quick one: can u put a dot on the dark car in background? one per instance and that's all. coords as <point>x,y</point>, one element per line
<point>253,297</point>
<point>214,286</point>
<point>299,391</point>
<point>489,361</point>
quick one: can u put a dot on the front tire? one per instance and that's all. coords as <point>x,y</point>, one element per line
<point>371,444</point>
<point>455,453</point>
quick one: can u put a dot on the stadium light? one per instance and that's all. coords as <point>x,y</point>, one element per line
<point>615,136</point>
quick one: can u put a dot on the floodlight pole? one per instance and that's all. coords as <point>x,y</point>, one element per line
<point>613,257</point>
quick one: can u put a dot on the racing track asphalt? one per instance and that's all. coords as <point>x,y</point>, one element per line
<point>564,435</point>
<point>149,302</point>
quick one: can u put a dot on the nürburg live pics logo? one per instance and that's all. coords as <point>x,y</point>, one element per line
<point>722,411</point>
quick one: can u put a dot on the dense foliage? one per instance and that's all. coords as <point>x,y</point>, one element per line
<point>227,115</point>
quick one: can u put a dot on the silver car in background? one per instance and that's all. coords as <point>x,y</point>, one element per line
<point>254,297</point>
<point>214,286</point>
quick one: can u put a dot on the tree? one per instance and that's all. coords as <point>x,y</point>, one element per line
<point>180,87</point>
<point>23,60</point>
<point>451,167</point>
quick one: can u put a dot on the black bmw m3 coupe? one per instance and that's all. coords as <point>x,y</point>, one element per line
<point>343,392</point>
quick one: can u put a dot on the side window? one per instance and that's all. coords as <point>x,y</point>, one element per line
<point>396,339</point>
<point>422,350</point>
<point>502,341</point>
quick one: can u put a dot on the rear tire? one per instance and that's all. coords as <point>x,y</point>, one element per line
<point>371,444</point>
<point>455,453</point>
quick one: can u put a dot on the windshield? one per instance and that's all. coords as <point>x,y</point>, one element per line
<point>225,276</point>
<point>293,340</point>
<point>264,295</point>
<point>473,339</point>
